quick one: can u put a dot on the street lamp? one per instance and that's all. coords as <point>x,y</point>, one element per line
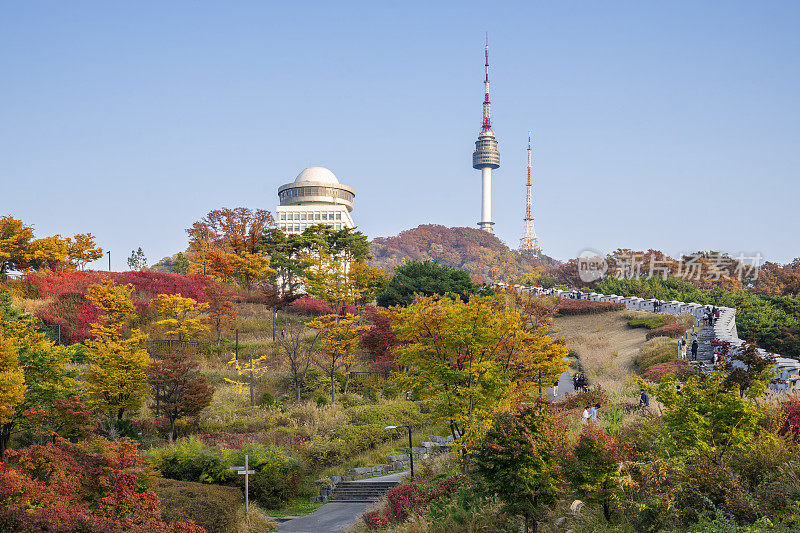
<point>109,260</point>
<point>410,446</point>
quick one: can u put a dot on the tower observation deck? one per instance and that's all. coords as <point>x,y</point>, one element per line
<point>486,157</point>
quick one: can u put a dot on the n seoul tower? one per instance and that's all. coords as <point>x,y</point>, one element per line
<point>486,157</point>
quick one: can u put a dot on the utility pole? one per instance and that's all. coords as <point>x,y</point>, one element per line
<point>250,349</point>
<point>274,316</point>
<point>109,260</point>
<point>237,342</point>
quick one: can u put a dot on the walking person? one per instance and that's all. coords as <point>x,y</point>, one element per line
<point>593,412</point>
<point>586,415</point>
<point>644,399</point>
<point>555,390</point>
<point>694,350</point>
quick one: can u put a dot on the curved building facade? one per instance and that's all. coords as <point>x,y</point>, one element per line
<point>314,197</point>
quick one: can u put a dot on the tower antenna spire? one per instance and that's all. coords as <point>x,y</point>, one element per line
<point>486,157</point>
<point>529,241</point>
<point>487,118</point>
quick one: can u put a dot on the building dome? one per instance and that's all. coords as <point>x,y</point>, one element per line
<point>316,175</point>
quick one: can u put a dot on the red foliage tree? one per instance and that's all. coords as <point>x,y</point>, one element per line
<point>380,339</point>
<point>180,389</point>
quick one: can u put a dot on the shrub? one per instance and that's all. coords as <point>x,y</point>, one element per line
<point>579,400</point>
<point>212,507</point>
<point>669,330</point>
<point>681,369</point>
<point>190,460</point>
<point>277,474</point>
<point>586,307</point>
<point>656,351</point>
<point>397,414</point>
<point>651,322</point>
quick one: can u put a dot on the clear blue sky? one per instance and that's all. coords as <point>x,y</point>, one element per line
<point>672,125</point>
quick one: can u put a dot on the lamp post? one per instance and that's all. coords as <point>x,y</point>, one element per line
<point>410,446</point>
<point>109,260</point>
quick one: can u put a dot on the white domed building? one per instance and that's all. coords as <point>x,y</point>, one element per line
<point>314,197</point>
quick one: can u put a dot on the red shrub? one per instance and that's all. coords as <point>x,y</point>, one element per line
<point>791,425</point>
<point>88,486</point>
<point>307,305</point>
<point>70,308</point>
<point>586,307</point>
<point>674,330</point>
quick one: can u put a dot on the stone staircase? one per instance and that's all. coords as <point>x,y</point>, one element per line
<point>361,491</point>
<point>705,352</point>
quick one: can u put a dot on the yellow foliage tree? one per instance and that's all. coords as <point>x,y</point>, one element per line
<point>338,338</point>
<point>15,237</point>
<point>12,379</point>
<point>116,381</point>
<point>182,317</point>
<point>250,267</point>
<point>48,253</point>
<point>472,359</point>
<point>115,306</point>
<point>340,281</point>
<point>82,249</point>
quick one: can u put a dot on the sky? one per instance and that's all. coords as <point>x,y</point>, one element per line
<point>669,125</point>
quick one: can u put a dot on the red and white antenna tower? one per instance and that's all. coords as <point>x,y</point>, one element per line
<point>529,241</point>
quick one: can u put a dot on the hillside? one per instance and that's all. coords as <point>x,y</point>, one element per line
<point>483,255</point>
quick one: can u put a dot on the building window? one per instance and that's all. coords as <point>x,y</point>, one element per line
<point>297,229</point>
<point>283,216</point>
<point>338,216</point>
<point>302,216</point>
<point>297,216</point>
<point>324,216</point>
<point>302,227</point>
<point>316,216</point>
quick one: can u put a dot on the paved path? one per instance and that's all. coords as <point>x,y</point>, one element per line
<point>333,517</point>
<point>564,386</point>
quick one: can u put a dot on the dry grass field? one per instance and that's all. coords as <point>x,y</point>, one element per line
<point>606,347</point>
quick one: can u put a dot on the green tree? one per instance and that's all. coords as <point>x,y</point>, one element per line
<point>708,416</point>
<point>180,265</point>
<point>425,278</point>
<point>137,260</point>
<point>516,462</point>
<point>44,366</point>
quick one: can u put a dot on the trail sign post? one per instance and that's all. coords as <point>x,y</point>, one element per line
<point>246,473</point>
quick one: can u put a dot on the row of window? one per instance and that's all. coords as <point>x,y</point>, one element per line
<point>297,192</point>
<point>311,216</point>
<point>300,228</point>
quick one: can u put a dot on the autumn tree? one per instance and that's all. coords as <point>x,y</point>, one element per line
<point>116,381</point>
<point>594,468</point>
<point>235,230</point>
<point>180,317</point>
<point>180,389</point>
<point>380,340</point>
<point>220,307</point>
<point>47,253</point>
<point>115,306</point>
<point>298,346</point>
<point>471,359</point>
<point>338,338</point>
<point>517,461</point>
<point>749,371</point>
<point>15,238</point>
<point>12,382</point>
<point>137,260</point>
<point>82,249</point>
